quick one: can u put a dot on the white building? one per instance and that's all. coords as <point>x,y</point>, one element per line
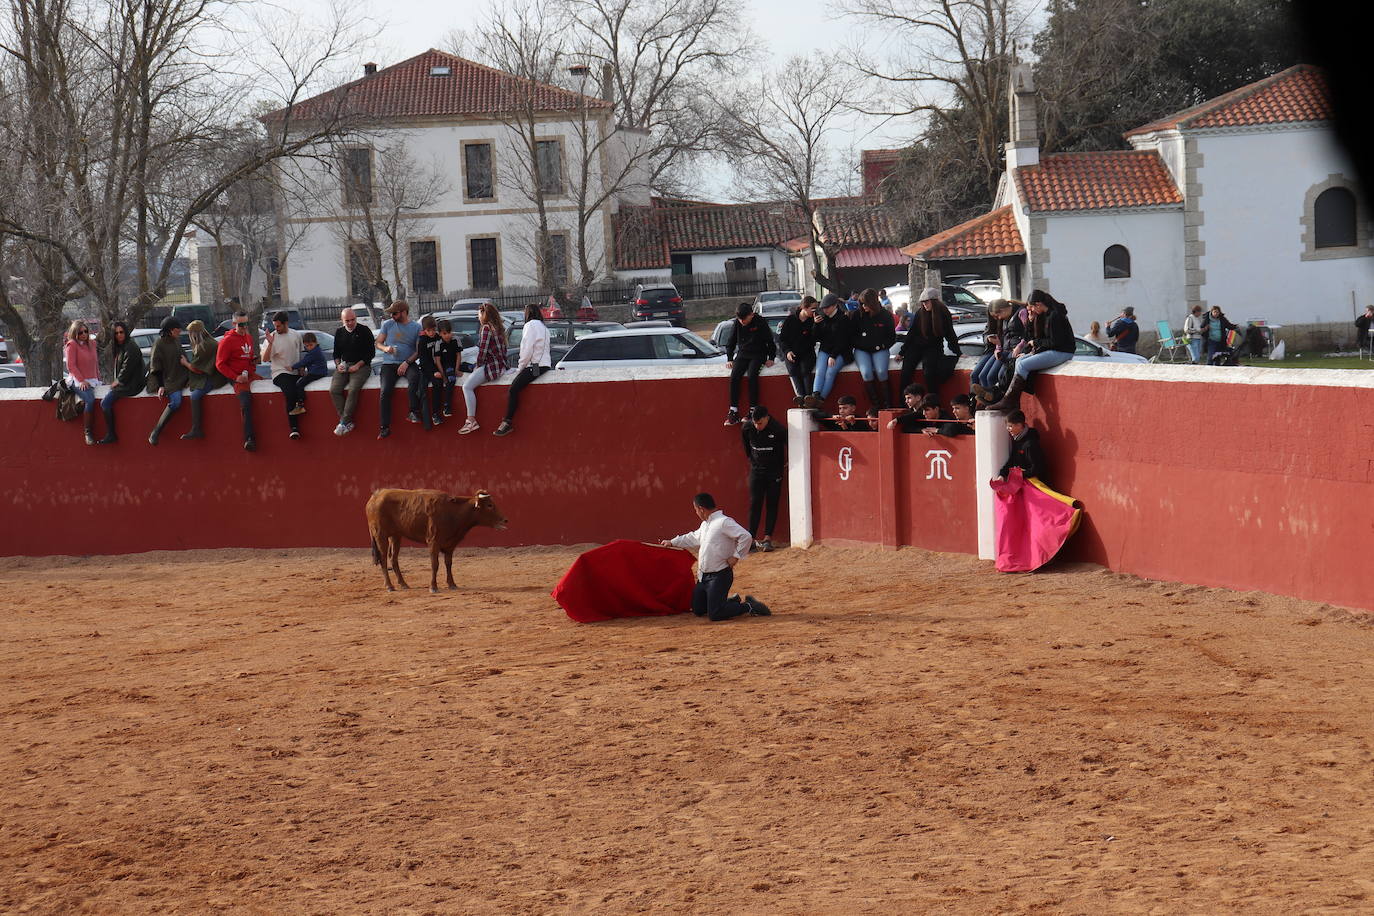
<point>438,181</point>
<point>1245,201</point>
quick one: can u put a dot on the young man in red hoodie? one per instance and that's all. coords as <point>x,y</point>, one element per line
<point>236,360</point>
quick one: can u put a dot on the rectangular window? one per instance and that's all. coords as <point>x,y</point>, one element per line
<point>548,162</point>
<point>357,176</point>
<point>478,183</point>
<point>485,268</point>
<point>424,267</point>
<point>558,258</point>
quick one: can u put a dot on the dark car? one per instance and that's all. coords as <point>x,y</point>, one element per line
<point>293,320</point>
<point>658,300</point>
<point>562,335</point>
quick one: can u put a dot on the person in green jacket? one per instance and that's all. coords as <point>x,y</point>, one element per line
<point>168,372</point>
<point>204,377</point>
<point>128,376</point>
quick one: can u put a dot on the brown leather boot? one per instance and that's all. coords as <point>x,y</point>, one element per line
<point>1012,399</point>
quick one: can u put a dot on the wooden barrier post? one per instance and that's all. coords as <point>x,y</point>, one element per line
<point>800,425</point>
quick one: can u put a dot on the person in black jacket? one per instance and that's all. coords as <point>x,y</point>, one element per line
<point>1362,325</point>
<point>1215,326</point>
<point>354,348</point>
<point>129,376</point>
<point>749,347</point>
<point>1026,453</point>
<point>834,346</point>
<point>797,343</point>
<point>932,326</point>
<point>765,445</point>
<point>1050,341</point>
<point>431,375</point>
<point>875,331</point>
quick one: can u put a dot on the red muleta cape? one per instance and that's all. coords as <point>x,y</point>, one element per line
<point>627,579</point>
<point>1033,522</point>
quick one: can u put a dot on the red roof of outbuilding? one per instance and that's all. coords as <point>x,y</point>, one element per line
<point>410,89</point>
<point>988,236</point>
<point>884,256</point>
<point>1297,95</point>
<point>1097,181</point>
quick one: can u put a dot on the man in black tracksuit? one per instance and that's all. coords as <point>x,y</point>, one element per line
<point>1026,452</point>
<point>749,347</point>
<point>765,445</point>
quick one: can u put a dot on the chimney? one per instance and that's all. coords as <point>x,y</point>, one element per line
<point>1024,146</point>
<point>607,83</point>
<point>369,69</point>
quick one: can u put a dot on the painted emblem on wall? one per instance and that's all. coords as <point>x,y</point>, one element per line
<point>939,464</point>
<point>846,461</point>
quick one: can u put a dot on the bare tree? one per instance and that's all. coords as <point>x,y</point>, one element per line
<point>780,144</point>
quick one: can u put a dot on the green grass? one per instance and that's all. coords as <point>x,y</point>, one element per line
<point>1316,361</point>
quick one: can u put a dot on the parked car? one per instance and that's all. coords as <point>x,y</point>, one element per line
<point>971,344</point>
<point>720,335</point>
<point>293,320</point>
<point>641,347</point>
<point>658,300</point>
<point>562,335</point>
<point>987,290</point>
<point>12,376</point>
<point>777,308</point>
<point>776,295</point>
<point>961,303</point>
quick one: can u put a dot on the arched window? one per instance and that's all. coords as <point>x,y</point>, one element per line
<point>1334,215</point>
<point>1116,263</point>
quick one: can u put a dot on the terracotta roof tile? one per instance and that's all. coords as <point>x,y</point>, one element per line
<point>1097,181</point>
<point>1297,95</point>
<point>863,225</point>
<point>646,236</point>
<point>884,256</point>
<point>987,236</point>
<point>410,90</point>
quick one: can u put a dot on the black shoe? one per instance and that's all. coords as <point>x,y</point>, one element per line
<point>756,607</point>
<point>732,418</point>
<point>250,445</point>
<point>766,545</point>
<point>797,401</point>
<point>384,432</point>
<point>413,417</point>
<point>295,434</point>
<point>505,429</point>
<point>108,440</point>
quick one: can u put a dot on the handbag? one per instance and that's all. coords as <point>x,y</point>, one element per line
<point>69,405</point>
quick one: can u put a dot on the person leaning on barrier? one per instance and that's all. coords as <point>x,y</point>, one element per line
<point>354,349</point>
<point>962,424</point>
<point>765,447</point>
<point>847,418</point>
<point>720,543</point>
<point>83,372</point>
<point>749,348</point>
<point>128,361</point>
<point>1049,338</point>
<point>932,326</point>
<point>203,377</point>
<point>1026,453</point>
<point>912,396</point>
<point>236,360</point>
<point>535,360</point>
<point>797,344</point>
<point>168,372</point>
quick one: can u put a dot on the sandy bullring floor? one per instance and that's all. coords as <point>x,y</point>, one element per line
<point>263,732</point>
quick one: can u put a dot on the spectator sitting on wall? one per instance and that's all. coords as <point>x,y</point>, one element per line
<point>875,332</point>
<point>491,364</point>
<point>797,343</point>
<point>281,348</point>
<point>846,419</point>
<point>1215,326</point>
<point>765,447</point>
<point>749,347</point>
<point>932,326</point>
<point>1048,336</point>
<point>1124,331</point>
<point>235,360</point>
<point>449,351</point>
<point>986,379</point>
<point>431,376</point>
<point>309,368</point>
<point>129,377</point>
<point>1362,327</point>
<point>1026,453</point>
<point>354,348</point>
<point>1192,330</point>
<point>396,339</point>
<point>834,347</point>
<point>912,395</point>
<point>83,372</point>
<point>534,362</point>
<point>168,372</point>
<point>961,425</point>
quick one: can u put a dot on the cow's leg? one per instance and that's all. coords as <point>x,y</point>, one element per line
<point>396,561</point>
<point>433,568</point>
<point>448,567</point>
<point>379,547</point>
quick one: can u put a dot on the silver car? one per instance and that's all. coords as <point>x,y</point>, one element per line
<point>641,347</point>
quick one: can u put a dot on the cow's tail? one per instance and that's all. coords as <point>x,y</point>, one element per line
<point>376,553</point>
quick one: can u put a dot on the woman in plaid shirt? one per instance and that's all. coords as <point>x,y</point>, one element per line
<point>491,360</point>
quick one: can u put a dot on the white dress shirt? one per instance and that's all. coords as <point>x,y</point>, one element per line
<point>534,345</point>
<point>718,539</point>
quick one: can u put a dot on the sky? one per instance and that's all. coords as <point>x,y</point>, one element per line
<point>785,27</point>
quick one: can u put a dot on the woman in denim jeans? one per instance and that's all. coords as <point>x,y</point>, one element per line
<point>83,372</point>
<point>1050,339</point>
<point>875,331</point>
<point>988,373</point>
<point>833,346</point>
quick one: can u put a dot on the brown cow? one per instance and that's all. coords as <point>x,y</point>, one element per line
<point>430,517</point>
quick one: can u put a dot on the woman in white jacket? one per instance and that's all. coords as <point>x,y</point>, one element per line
<point>534,362</point>
<point>1192,330</point>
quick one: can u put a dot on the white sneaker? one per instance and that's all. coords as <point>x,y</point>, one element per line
<point>469,427</point>
<point>341,429</point>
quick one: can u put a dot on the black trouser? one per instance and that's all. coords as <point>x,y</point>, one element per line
<point>522,378</point>
<point>930,361</point>
<point>415,392</point>
<point>802,372</point>
<point>432,394</point>
<point>246,409</point>
<point>743,364</point>
<point>765,488</point>
<point>711,597</point>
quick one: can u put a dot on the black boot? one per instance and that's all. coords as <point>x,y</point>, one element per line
<point>110,436</point>
<point>161,422</point>
<point>1012,399</point>
<point>871,389</point>
<point>194,432</point>
<point>87,421</point>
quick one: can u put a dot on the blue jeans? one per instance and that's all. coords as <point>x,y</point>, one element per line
<point>87,396</point>
<point>1025,365</point>
<point>107,402</point>
<point>827,370</point>
<point>988,370</point>
<point>872,365</point>
<point>1195,348</point>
